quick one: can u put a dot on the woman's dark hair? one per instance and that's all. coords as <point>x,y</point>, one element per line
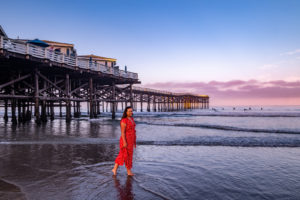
<point>125,112</point>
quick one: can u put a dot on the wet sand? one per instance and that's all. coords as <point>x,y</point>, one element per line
<point>10,191</point>
<point>68,171</point>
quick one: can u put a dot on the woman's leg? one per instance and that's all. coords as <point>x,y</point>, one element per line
<point>114,170</point>
<point>129,172</point>
<point>128,163</point>
<point>120,158</point>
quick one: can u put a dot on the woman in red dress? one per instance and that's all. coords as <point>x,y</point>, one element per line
<point>127,142</point>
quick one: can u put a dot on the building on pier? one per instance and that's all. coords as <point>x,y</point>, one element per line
<point>59,47</point>
<point>108,62</point>
<point>65,48</point>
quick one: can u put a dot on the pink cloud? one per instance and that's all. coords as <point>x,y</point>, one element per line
<point>229,83</point>
<point>285,83</point>
<point>249,87</point>
<point>251,91</point>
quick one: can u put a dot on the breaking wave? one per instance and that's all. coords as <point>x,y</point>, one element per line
<point>226,128</point>
<point>197,141</point>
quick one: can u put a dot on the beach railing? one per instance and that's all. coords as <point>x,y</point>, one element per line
<point>24,48</point>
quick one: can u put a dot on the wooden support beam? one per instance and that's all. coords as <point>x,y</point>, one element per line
<point>19,112</point>
<point>130,95</point>
<point>74,109</point>
<point>60,109</point>
<point>53,84</point>
<point>148,105</point>
<point>154,103</point>
<point>14,81</point>
<point>168,103</point>
<point>116,106</point>
<point>28,85</point>
<point>141,100</point>
<point>44,105</point>
<point>98,107</point>
<point>113,116</point>
<point>13,111</point>
<point>51,110</point>
<point>103,106</point>
<point>28,112</point>
<point>82,86</point>
<point>36,94</point>
<point>68,103</point>
<point>77,109</point>
<point>50,86</point>
<point>91,98</point>
<point>5,110</point>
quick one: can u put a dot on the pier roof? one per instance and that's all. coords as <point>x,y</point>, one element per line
<point>98,57</point>
<point>62,44</point>
<point>58,43</point>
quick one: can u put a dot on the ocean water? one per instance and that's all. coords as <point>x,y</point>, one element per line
<point>220,153</point>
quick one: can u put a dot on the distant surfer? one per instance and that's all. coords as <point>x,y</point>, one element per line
<point>127,142</point>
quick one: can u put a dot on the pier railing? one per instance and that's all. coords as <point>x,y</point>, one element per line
<point>149,90</point>
<point>44,53</point>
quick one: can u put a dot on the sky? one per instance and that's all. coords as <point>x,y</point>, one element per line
<point>239,52</point>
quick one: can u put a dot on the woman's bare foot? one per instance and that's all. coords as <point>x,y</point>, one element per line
<point>129,173</point>
<point>114,171</point>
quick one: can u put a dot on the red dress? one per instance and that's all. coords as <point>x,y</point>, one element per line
<point>125,154</point>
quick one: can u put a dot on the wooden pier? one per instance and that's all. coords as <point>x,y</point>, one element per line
<point>163,101</point>
<point>36,81</point>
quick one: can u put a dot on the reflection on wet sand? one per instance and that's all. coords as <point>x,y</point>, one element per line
<point>10,191</point>
<point>59,129</point>
<point>54,167</point>
<point>125,191</point>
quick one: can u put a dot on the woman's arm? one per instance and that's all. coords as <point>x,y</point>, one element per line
<point>123,127</point>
